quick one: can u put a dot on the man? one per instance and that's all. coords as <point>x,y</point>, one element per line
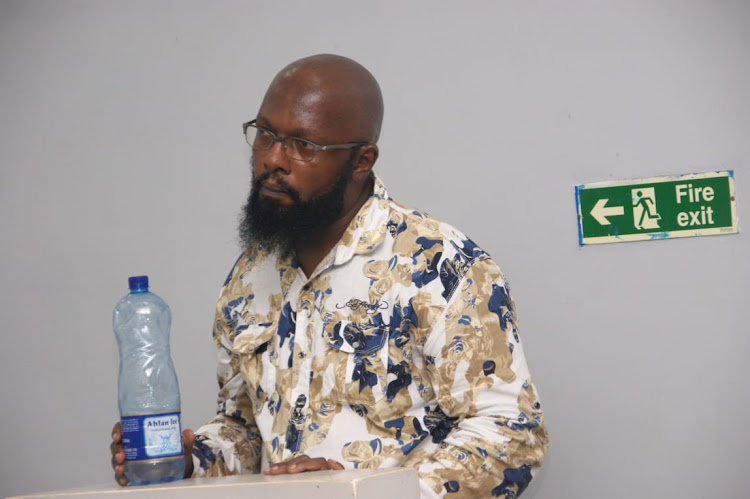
<point>353,331</point>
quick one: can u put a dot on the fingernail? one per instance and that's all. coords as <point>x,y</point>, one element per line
<point>292,466</point>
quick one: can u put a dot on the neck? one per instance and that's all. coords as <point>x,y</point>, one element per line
<point>311,251</point>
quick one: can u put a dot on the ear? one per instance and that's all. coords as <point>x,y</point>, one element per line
<point>365,160</point>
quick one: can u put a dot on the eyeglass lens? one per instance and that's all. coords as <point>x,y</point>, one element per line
<point>295,148</point>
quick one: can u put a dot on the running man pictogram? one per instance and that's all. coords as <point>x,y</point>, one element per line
<point>645,215</point>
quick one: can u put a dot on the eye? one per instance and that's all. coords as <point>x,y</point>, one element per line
<point>263,137</point>
<point>302,145</point>
<point>300,149</point>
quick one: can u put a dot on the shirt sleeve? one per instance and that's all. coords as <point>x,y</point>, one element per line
<point>487,431</point>
<point>229,444</point>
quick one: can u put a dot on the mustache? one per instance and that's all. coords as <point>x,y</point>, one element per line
<point>278,180</point>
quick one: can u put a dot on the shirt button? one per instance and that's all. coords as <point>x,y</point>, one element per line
<point>356,344</point>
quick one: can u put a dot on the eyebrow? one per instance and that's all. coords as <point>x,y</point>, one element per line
<point>297,133</point>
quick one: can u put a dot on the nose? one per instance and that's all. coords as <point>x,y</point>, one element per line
<point>275,158</point>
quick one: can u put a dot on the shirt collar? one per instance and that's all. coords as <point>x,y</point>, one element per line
<point>367,229</point>
<point>363,235</point>
<point>365,232</point>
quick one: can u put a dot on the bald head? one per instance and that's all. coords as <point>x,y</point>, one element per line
<point>331,92</point>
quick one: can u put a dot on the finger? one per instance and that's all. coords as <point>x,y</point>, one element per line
<point>121,479</point>
<point>282,468</point>
<point>118,459</point>
<point>276,469</point>
<point>116,432</point>
<point>335,465</point>
<point>317,464</point>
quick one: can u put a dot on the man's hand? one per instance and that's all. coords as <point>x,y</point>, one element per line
<point>303,463</point>
<point>118,454</point>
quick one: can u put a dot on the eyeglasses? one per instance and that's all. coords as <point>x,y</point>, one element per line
<point>295,148</point>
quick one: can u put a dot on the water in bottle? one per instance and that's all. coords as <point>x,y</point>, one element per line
<point>148,393</point>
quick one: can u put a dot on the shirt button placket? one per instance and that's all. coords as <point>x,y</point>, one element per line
<point>301,360</point>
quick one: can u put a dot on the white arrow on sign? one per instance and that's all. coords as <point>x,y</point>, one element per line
<point>601,211</point>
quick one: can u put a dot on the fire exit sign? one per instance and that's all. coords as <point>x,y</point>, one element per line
<point>656,208</point>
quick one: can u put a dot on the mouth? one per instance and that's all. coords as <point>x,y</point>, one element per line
<point>270,189</point>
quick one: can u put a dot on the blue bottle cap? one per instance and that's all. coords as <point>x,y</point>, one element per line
<point>138,283</point>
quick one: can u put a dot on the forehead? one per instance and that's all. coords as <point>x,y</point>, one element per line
<point>304,105</point>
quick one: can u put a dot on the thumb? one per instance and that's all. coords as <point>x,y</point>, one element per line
<point>188,437</point>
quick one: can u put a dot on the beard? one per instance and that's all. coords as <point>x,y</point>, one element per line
<point>275,227</point>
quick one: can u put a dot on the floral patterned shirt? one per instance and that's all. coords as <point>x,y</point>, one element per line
<point>401,349</point>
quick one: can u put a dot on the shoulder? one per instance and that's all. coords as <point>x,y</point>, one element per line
<point>256,272</point>
<point>441,254</point>
<point>414,230</point>
<point>250,259</point>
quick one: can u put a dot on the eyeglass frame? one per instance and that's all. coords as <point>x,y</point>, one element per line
<point>279,138</point>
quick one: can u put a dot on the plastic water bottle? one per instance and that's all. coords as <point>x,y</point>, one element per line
<point>148,393</point>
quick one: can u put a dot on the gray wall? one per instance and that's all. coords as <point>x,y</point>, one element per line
<point>121,153</point>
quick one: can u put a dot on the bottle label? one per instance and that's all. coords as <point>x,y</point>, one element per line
<point>151,436</point>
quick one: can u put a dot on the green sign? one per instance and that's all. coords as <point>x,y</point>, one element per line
<point>656,208</point>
